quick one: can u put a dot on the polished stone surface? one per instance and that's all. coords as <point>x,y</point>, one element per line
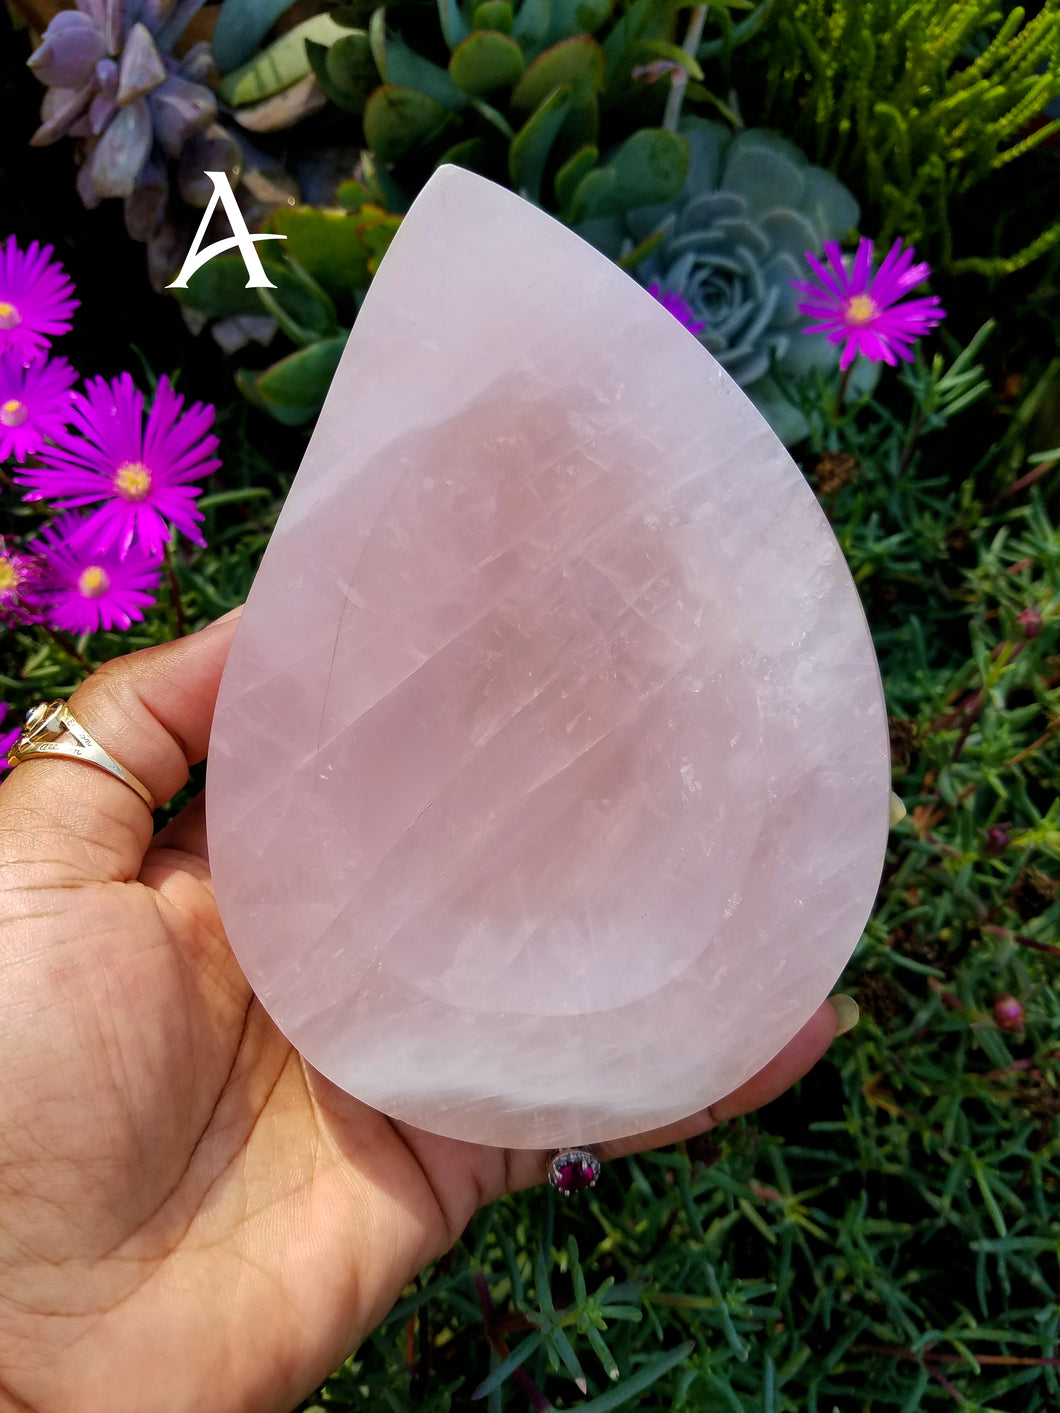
<point>549,782</point>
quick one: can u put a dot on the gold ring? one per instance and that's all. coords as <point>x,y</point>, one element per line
<point>51,729</point>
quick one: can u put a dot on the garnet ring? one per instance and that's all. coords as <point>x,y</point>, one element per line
<point>573,1170</point>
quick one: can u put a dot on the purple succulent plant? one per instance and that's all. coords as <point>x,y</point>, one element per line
<point>113,82</point>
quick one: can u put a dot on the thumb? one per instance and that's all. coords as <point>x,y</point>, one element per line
<point>152,712</point>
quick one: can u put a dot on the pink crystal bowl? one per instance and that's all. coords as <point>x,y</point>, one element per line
<point>548,788</point>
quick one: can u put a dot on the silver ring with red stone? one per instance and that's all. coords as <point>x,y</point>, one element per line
<point>573,1170</point>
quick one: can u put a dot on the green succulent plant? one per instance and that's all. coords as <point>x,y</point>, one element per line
<point>527,92</point>
<point>730,246</point>
<point>912,101</point>
<point>519,90</point>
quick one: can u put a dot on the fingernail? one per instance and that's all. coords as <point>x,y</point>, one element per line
<point>846,1010</point>
<point>225,617</point>
<point>897,810</point>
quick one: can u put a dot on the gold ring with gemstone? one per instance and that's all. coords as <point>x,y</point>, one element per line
<point>51,729</point>
<point>573,1170</point>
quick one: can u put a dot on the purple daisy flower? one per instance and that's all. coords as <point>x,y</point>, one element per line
<point>7,738</point>
<point>86,587</point>
<point>35,299</point>
<point>34,403</point>
<point>861,310</point>
<point>141,473</point>
<point>20,579</point>
<point>679,307</point>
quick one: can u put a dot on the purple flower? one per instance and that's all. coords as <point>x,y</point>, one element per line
<point>7,738</point>
<point>86,587</point>
<point>862,310</point>
<point>35,299</point>
<point>679,307</point>
<point>34,403</point>
<point>20,576</point>
<point>140,473</point>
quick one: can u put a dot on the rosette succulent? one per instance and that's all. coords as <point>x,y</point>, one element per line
<point>751,207</point>
<point>113,82</point>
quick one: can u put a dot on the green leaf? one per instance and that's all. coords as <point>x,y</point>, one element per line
<point>246,382</point>
<point>302,309</point>
<point>649,167</point>
<point>519,1355</point>
<point>301,380</point>
<point>600,1349</point>
<point>451,19</point>
<point>494,118</point>
<point>486,60</point>
<point>571,173</point>
<point>576,17</point>
<point>531,24</point>
<point>283,63</point>
<point>352,195</point>
<point>532,144</point>
<point>350,69</point>
<point>325,244</point>
<point>218,288</point>
<point>577,63</point>
<point>376,228</point>
<point>648,1374</point>
<point>408,69</point>
<point>396,120</point>
<point>241,26</point>
<point>674,53</point>
<point>641,251</point>
<point>317,54</point>
<point>494,14</point>
<point>469,153</point>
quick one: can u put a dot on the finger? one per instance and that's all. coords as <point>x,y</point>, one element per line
<point>526,1167</point>
<point>152,712</point>
<point>187,831</point>
<point>797,1058</point>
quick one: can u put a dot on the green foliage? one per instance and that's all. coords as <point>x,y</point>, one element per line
<point>516,91</point>
<point>913,102</point>
<point>730,246</point>
<point>240,28</point>
<point>324,265</point>
<point>281,64</point>
<point>885,1237</point>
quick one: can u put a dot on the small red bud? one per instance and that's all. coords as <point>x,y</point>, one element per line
<point>997,839</point>
<point>1009,1013</point>
<point>1030,620</point>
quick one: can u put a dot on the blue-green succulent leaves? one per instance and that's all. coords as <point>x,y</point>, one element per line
<point>731,244</point>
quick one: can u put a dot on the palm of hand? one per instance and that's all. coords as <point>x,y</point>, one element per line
<point>190,1216</point>
<point>178,1163</point>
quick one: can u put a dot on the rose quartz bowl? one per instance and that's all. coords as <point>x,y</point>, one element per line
<point>549,782</point>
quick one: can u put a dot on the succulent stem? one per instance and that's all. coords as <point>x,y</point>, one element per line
<point>69,648</point>
<point>679,80</point>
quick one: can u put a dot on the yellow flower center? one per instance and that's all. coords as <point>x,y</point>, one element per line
<point>94,581</point>
<point>9,315</point>
<point>861,309</point>
<point>132,480</point>
<point>13,413</point>
<point>8,576</point>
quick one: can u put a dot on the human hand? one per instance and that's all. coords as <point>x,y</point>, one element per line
<point>191,1217</point>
